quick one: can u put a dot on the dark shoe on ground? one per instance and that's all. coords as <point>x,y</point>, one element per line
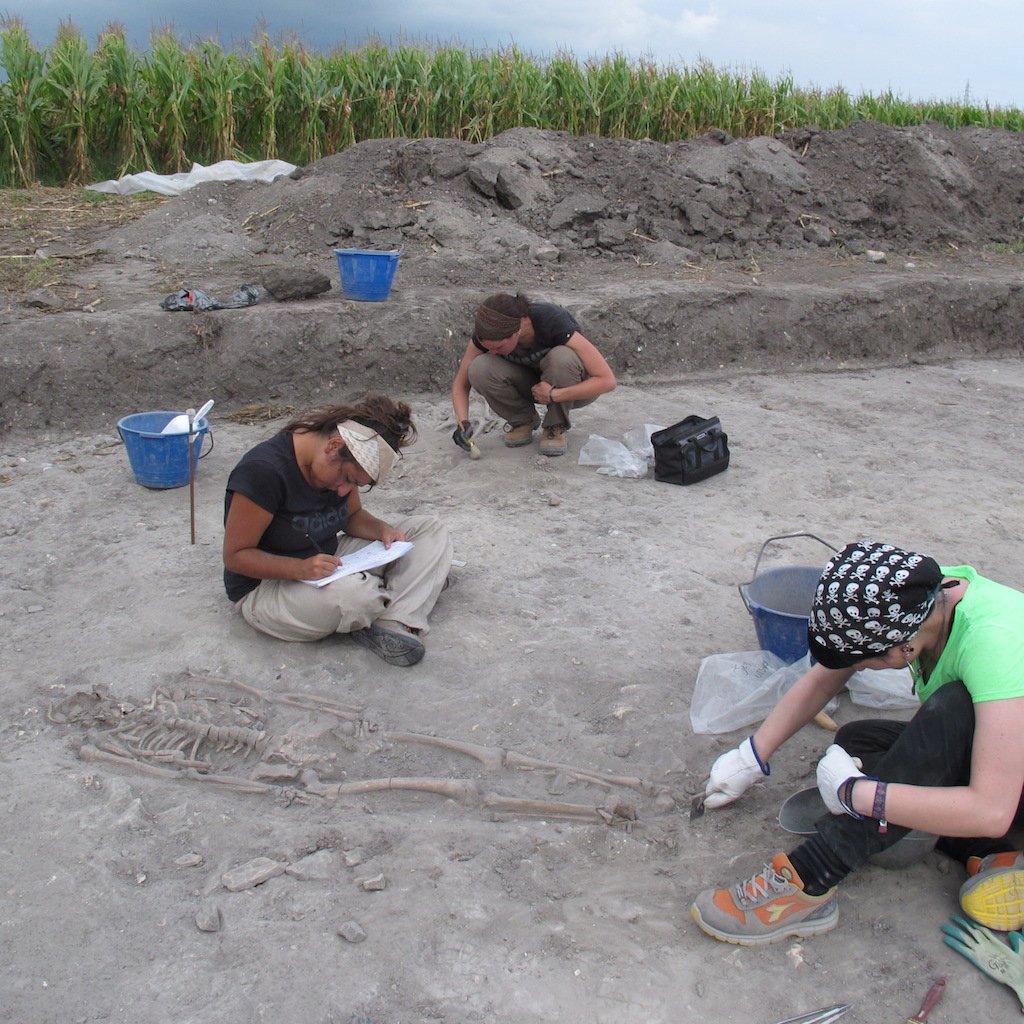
<point>390,643</point>
<point>769,907</point>
<point>994,893</point>
<point>553,442</point>
<point>517,435</point>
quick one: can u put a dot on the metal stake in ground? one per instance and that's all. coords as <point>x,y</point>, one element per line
<point>191,414</point>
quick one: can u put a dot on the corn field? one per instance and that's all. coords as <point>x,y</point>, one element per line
<point>71,114</point>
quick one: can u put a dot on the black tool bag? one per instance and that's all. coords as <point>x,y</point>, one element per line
<point>689,451</point>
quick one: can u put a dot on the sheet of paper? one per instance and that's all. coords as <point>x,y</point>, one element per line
<point>365,558</point>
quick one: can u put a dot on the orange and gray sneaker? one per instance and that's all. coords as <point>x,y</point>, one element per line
<point>994,891</point>
<point>767,908</point>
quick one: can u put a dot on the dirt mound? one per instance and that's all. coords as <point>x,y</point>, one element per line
<point>693,256</point>
<point>556,198</point>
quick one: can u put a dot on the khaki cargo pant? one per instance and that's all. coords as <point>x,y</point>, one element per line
<point>402,591</point>
<point>506,386</point>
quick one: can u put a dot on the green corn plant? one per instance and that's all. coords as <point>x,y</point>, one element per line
<point>262,91</point>
<point>124,116</point>
<point>73,86</point>
<point>22,102</point>
<point>518,91</point>
<point>218,78</point>
<point>308,105</point>
<point>170,79</point>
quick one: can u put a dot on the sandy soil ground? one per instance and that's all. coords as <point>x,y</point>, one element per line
<point>720,277</point>
<point>581,614</point>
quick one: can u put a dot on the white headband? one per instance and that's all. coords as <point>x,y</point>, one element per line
<point>368,448</point>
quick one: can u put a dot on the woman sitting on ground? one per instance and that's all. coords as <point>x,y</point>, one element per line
<point>955,770</point>
<point>522,354</point>
<point>287,501</point>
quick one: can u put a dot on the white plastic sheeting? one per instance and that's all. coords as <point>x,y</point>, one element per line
<point>175,184</point>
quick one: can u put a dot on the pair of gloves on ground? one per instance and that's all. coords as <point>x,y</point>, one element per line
<point>733,773</point>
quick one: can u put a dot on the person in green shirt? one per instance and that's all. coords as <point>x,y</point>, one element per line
<point>955,770</point>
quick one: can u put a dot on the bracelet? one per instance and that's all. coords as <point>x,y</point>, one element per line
<point>845,795</point>
<point>551,394</point>
<point>766,768</point>
<point>878,808</point>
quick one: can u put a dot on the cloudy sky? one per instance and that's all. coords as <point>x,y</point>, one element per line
<point>920,49</point>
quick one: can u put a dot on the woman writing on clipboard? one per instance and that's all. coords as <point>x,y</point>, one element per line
<point>292,510</point>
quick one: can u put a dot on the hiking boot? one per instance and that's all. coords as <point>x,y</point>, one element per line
<point>516,435</point>
<point>553,441</point>
<point>391,644</point>
<point>769,907</point>
<point>994,893</point>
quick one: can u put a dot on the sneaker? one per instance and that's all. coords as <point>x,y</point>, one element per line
<point>516,435</point>
<point>393,645</point>
<point>553,441</point>
<point>767,908</point>
<point>994,893</point>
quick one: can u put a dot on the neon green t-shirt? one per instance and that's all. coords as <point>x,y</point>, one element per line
<point>986,646</point>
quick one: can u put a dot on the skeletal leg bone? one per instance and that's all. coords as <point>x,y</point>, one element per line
<point>526,763</point>
<point>492,758</point>
<point>545,808</point>
<point>463,790</point>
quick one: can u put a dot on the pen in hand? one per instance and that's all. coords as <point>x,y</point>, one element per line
<point>335,561</point>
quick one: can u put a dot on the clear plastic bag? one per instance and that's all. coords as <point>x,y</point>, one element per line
<point>612,457</point>
<point>885,688</point>
<point>735,690</point>
<point>638,441</point>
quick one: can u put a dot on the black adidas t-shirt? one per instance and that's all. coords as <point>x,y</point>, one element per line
<point>306,521</point>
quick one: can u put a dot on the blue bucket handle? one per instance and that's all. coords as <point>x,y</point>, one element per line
<point>781,536</point>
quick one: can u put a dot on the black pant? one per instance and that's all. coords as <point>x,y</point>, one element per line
<point>932,749</point>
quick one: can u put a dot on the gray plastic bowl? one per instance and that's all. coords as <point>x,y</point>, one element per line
<point>800,811</point>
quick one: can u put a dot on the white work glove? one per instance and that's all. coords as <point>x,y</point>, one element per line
<point>835,769</point>
<point>732,774</point>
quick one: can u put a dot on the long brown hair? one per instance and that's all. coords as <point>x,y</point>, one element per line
<point>391,419</point>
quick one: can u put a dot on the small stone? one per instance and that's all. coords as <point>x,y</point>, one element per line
<point>351,931</point>
<point>208,918</point>
<point>256,872</point>
<point>33,608</point>
<point>554,501</point>
<point>353,857</point>
<point>375,884</point>
<point>188,860</point>
<point>317,866</point>
<point>875,256</point>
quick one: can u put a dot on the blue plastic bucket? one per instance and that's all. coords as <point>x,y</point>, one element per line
<point>161,460</point>
<point>779,601</point>
<point>366,276</point>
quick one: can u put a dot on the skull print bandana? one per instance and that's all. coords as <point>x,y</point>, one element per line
<point>870,598</point>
